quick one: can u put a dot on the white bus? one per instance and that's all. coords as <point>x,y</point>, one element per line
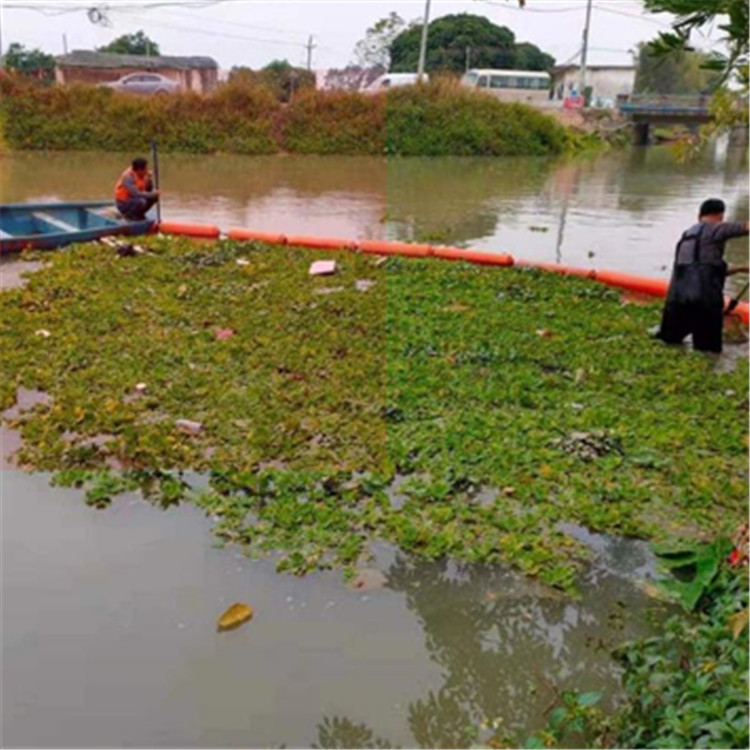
<point>510,85</point>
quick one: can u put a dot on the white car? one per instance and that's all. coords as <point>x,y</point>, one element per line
<point>391,80</point>
<point>143,83</point>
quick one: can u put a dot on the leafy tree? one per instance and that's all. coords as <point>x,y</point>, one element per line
<point>284,79</point>
<point>374,50</point>
<point>279,76</point>
<point>530,57</point>
<point>17,57</point>
<point>449,37</point>
<point>677,72</point>
<point>694,15</point>
<point>132,44</point>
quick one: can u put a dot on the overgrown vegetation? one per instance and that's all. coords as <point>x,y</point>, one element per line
<point>445,118</point>
<point>686,687</point>
<point>448,409</point>
<point>437,119</point>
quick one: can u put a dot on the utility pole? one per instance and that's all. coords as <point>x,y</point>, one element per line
<point>423,43</point>
<point>585,49</point>
<point>468,57</point>
<point>65,44</point>
<point>310,46</point>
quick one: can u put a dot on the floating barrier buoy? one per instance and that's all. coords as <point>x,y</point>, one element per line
<point>252,236</point>
<point>617,279</point>
<point>189,230</point>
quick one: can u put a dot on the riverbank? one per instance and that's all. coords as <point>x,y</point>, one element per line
<point>437,119</point>
<point>450,410</point>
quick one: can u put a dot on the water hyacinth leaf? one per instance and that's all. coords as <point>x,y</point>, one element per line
<point>738,622</point>
<point>236,615</point>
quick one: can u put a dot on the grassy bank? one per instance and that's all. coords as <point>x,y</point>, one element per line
<point>439,119</point>
<point>448,409</point>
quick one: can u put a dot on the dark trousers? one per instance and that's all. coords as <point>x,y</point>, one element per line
<point>706,325</point>
<point>135,209</point>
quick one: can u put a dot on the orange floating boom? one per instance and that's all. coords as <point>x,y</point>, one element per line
<point>630,282</point>
<point>189,230</point>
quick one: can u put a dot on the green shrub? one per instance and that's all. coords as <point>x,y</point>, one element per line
<point>442,118</point>
<point>437,119</point>
<point>335,122</point>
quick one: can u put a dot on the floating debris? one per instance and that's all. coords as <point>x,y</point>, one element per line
<point>589,445</point>
<point>222,334</point>
<point>43,332</point>
<point>189,427</point>
<point>322,268</point>
<point>238,614</point>
<point>362,285</point>
<point>366,579</point>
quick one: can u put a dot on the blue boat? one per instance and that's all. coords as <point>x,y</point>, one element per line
<point>25,226</point>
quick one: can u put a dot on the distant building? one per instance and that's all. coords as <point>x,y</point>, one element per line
<point>607,82</point>
<point>198,74</point>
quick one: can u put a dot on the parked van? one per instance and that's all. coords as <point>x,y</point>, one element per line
<point>391,80</point>
<point>510,85</point>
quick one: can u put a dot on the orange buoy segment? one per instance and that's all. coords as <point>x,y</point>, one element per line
<point>654,287</point>
<point>237,233</point>
<point>321,243</point>
<point>473,256</point>
<point>189,230</point>
<point>381,247</point>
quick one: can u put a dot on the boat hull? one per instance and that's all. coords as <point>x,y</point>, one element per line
<point>45,226</point>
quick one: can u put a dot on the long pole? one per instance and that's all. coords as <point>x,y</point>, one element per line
<point>585,48</point>
<point>423,43</point>
<point>310,46</point>
<point>155,159</point>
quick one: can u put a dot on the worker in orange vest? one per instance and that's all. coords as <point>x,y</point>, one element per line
<point>134,191</point>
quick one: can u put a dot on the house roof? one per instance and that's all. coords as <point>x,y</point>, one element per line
<point>81,58</point>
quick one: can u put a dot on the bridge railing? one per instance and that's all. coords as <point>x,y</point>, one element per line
<point>667,101</point>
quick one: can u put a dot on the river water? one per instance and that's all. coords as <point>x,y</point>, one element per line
<point>622,210</point>
<point>108,617</point>
<point>109,637</point>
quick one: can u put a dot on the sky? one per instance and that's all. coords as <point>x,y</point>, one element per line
<point>254,32</point>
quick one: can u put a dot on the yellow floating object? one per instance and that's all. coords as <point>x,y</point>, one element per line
<point>235,616</point>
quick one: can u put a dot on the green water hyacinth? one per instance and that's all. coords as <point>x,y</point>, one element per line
<point>449,409</point>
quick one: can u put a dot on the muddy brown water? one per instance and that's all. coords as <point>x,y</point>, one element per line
<point>109,617</point>
<point>621,210</point>
<point>109,637</point>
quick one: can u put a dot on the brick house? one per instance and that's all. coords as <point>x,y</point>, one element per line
<point>199,74</point>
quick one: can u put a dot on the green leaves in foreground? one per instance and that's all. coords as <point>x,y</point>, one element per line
<point>449,409</point>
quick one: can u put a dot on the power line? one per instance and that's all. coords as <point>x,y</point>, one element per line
<point>224,34</point>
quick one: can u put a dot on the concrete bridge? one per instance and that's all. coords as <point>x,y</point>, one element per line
<point>645,110</point>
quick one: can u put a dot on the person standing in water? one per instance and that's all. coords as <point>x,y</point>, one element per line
<point>695,299</point>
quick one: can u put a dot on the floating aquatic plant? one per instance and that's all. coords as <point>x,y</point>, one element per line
<point>424,409</point>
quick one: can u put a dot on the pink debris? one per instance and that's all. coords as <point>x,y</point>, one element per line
<point>222,334</point>
<point>322,268</point>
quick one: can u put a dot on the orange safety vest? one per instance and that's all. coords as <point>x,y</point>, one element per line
<point>121,192</point>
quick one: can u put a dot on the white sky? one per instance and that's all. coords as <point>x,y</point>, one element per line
<point>254,32</point>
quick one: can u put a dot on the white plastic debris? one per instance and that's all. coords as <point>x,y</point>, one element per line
<point>43,332</point>
<point>243,262</point>
<point>322,268</point>
<point>362,285</point>
<point>140,387</point>
<point>189,427</point>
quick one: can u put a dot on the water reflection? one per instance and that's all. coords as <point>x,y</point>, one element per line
<point>621,210</point>
<point>507,646</point>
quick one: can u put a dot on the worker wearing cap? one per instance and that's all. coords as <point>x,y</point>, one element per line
<point>695,300</point>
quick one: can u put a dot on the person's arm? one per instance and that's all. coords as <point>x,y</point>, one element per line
<point>726,230</point>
